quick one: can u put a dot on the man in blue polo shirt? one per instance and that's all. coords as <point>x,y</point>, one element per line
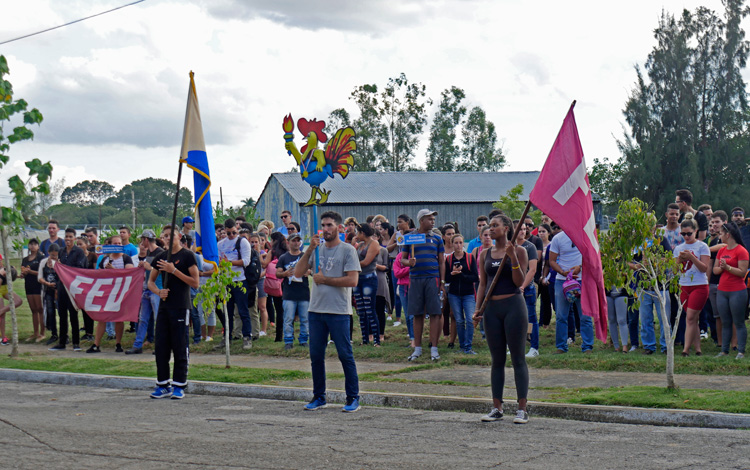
<point>426,280</point>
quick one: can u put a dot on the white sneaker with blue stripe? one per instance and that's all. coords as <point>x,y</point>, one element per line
<point>161,392</point>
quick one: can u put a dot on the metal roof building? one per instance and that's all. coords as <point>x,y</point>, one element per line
<point>456,196</point>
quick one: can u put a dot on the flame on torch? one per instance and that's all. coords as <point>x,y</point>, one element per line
<point>288,126</point>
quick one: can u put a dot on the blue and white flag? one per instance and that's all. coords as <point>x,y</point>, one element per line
<point>193,154</point>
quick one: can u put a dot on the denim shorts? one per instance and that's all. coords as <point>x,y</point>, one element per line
<point>261,290</point>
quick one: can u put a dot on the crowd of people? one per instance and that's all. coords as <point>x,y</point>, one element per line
<point>444,278</point>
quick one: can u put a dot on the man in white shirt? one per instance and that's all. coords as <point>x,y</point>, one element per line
<point>564,257</point>
<point>237,250</point>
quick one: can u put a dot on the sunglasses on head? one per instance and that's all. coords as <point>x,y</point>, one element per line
<point>687,234</point>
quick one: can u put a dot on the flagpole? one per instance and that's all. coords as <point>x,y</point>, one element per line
<point>505,257</point>
<point>174,220</point>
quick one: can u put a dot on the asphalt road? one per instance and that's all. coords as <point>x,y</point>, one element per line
<point>57,426</point>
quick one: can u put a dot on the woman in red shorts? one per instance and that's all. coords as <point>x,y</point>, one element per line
<point>694,256</point>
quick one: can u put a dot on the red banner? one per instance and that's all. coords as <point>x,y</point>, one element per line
<point>562,191</point>
<point>105,294</point>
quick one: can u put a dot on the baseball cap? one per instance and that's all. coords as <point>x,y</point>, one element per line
<point>148,233</point>
<point>293,236</point>
<point>188,219</point>
<point>424,213</point>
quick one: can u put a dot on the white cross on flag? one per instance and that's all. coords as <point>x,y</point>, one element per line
<point>563,193</point>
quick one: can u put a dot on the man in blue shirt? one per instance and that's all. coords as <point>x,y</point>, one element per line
<point>482,222</point>
<point>426,281</point>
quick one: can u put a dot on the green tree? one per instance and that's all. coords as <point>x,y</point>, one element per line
<point>338,119</point>
<point>215,292</point>
<point>442,151</point>
<point>156,194</point>
<point>12,111</point>
<point>88,193</point>
<point>513,206</point>
<point>372,134</point>
<point>404,111</point>
<point>687,113</point>
<point>479,149</point>
<point>657,272</point>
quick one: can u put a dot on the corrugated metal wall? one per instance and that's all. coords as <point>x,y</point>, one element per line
<point>276,198</point>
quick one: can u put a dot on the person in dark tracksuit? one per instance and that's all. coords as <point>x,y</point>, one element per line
<point>179,274</point>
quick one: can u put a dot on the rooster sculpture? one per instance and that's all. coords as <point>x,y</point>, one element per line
<point>317,165</point>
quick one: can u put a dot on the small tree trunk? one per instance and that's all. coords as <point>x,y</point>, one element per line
<point>12,300</point>
<point>227,333</point>
<point>670,336</point>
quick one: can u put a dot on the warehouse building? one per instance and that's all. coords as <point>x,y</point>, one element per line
<point>456,196</point>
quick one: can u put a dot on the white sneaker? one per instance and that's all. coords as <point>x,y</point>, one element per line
<point>262,333</point>
<point>522,417</point>
<point>570,340</point>
<point>633,348</point>
<point>493,415</point>
<point>740,356</point>
<point>389,318</point>
<point>208,338</point>
<point>704,335</point>
<point>397,323</point>
<point>532,352</point>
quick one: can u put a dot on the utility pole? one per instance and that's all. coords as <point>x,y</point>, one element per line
<point>221,198</point>
<point>132,196</point>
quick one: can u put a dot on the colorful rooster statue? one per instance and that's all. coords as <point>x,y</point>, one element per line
<point>315,164</point>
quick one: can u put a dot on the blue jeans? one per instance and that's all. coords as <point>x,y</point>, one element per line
<point>403,294</point>
<point>110,328</point>
<point>648,336</point>
<point>337,326</point>
<point>239,299</point>
<point>149,310</point>
<point>529,294</point>
<point>197,318</point>
<point>562,310</point>
<point>292,308</point>
<point>463,309</point>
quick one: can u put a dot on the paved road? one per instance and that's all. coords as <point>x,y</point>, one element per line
<point>56,426</point>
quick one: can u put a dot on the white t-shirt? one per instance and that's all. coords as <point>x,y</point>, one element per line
<point>568,256</point>
<point>691,276</point>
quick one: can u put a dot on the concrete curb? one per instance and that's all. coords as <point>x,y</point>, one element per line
<point>604,414</point>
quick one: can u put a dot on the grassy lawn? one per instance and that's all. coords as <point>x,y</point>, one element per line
<point>658,397</point>
<point>395,350</point>
<point>239,375</point>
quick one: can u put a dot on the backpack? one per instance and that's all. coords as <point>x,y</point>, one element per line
<point>469,259</point>
<point>252,270</point>
<point>571,288</point>
<point>272,284</point>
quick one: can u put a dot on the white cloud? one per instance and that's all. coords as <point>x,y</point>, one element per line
<point>113,88</point>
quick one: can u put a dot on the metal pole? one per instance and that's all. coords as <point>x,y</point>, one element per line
<point>174,222</point>
<point>315,232</point>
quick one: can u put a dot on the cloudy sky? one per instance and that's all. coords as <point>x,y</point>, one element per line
<point>113,88</point>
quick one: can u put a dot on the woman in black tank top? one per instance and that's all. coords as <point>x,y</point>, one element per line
<point>505,317</point>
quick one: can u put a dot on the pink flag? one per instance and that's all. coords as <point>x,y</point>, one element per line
<point>105,294</point>
<point>563,192</point>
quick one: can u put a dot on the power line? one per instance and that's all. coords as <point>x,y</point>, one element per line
<point>68,24</point>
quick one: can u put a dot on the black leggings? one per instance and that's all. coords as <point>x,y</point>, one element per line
<point>545,307</point>
<point>380,305</point>
<point>505,324</point>
<point>275,309</point>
